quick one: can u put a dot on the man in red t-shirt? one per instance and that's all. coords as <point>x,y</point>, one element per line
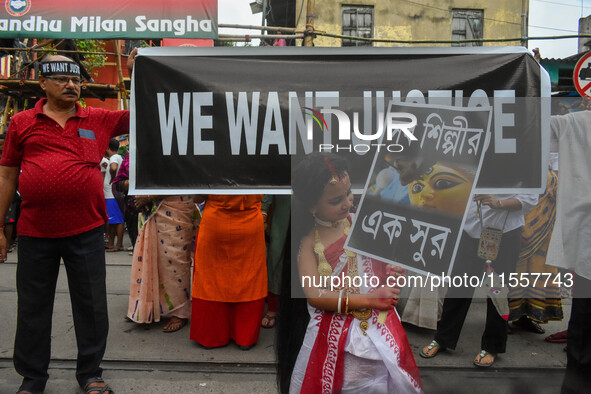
<point>54,150</point>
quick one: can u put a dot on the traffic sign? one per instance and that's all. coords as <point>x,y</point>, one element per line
<point>582,75</point>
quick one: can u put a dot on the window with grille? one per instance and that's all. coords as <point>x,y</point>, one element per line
<point>466,25</point>
<point>357,22</point>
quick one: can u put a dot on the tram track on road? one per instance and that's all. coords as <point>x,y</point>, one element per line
<point>435,379</point>
<point>270,368</point>
<point>168,366</point>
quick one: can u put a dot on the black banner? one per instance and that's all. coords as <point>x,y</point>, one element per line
<point>228,119</point>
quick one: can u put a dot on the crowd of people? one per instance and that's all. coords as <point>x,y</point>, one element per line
<point>197,256</point>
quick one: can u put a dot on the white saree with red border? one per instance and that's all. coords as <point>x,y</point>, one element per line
<point>336,356</point>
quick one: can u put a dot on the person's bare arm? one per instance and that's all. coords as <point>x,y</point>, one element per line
<point>123,185</point>
<point>511,204</point>
<point>8,180</point>
<point>385,298</point>
<point>113,171</point>
<point>131,60</point>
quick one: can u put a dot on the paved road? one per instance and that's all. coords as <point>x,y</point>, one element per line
<point>145,360</point>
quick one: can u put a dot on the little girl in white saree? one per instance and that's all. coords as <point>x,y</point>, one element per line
<point>354,341</point>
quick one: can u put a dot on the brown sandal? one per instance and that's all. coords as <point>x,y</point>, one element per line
<point>481,356</point>
<point>97,386</point>
<point>268,321</point>
<point>174,324</point>
<point>431,350</point>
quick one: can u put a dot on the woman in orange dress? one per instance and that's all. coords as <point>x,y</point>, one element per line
<point>230,278</point>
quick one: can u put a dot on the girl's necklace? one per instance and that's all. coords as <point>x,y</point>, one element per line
<point>325,269</point>
<point>326,223</point>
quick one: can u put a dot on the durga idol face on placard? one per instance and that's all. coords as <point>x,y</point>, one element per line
<point>443,188</point>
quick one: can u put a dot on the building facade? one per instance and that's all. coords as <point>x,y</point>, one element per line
<point>412,20</point>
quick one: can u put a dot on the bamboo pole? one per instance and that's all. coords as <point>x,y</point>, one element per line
<point>46,42</point>
<point>413,42</point>
<point>248,37</point>
<point>55,50</point>
<point>309,34</point>
<point>255,27</point>
<point>5,116</point>
<point>264,16</point>
<point>19,62</point>
<point>326,34</point>
<point>122,90</point>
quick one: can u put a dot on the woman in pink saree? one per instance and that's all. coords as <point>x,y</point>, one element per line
<point>161,270</point>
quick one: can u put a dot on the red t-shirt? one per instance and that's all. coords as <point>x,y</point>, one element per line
<point>60,181</point>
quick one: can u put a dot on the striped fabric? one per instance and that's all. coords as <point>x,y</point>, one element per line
<point>540,301</point>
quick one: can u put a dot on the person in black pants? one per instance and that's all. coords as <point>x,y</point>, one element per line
<point>501,212</point>
<point>577,378</point>
<point>53,150</point>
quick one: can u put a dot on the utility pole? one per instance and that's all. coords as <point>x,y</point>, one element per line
<point>263,24</point>
<point>309,32</point>
<point>524,18</point>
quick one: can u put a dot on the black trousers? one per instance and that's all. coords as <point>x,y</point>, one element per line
<point>458,299</point>
<point>36,278</point>
<point>578,356</point>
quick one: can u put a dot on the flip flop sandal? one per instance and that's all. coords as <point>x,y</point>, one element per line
<point>433,345</point>
<point>559,337</point>
<point>97,390</point>
<point>183,322</point>
<point>478,361</point>
<point>270,321</point>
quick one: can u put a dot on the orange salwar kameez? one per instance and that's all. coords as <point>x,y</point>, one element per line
<point>230,277</point>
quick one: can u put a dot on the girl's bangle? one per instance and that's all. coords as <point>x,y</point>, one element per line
<point>339,302</point>
<point>347,305</point>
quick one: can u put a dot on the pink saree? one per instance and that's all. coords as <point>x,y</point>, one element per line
<point>161,268</point>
